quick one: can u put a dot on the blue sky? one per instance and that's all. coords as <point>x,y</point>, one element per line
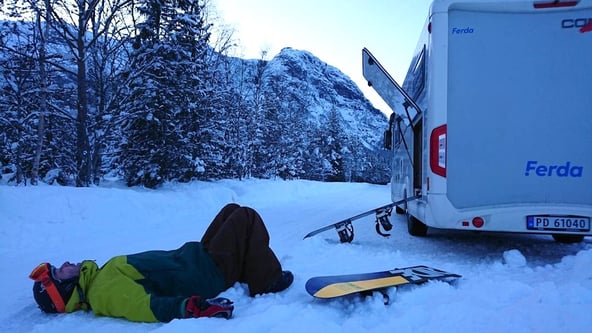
<point>333,30</point>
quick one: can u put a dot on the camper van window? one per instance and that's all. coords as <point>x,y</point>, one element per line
<point>398,132</point>
<point>419,62</point>
<point>418,81</point>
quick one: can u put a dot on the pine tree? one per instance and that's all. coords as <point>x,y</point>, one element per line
<point>334,147</point>
<point>169,129</point>
<point>268,153</point>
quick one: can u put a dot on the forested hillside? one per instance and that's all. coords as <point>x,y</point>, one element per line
<point>140,89</point>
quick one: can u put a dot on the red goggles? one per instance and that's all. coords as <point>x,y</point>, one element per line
<point>42,273</point>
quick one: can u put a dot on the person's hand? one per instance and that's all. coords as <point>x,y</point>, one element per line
<point>214,307</point>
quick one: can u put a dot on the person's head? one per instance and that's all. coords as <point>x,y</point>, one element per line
<point>53,286</point>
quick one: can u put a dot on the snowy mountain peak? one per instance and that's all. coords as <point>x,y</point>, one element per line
<point>322,87</point>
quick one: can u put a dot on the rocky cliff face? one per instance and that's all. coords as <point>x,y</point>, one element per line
<point>317,87</point>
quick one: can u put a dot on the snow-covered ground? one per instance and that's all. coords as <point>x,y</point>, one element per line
<point>510,283</point>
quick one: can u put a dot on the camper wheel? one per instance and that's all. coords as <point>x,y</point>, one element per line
<point>568,239</point>
<point>415,227</point>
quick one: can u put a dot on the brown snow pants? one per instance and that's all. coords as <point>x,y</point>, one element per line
<point>238,242</point>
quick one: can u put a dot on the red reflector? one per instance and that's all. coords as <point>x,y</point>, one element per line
<point>465,223</point>
<point>554,4</point>
<point>478,222</point>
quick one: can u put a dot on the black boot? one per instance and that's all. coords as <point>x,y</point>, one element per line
<point>282,283</point>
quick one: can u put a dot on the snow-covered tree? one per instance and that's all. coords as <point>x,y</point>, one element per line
<point>80,32</point>
<point>17,102</point>
<point>169,132</point>
<point>35,113</point>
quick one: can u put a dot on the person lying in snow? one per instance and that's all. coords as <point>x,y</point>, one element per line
<point>159,286</point>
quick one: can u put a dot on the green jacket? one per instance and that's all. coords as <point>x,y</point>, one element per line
<point>149,286</point>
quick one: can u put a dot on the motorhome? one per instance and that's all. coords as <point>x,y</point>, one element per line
<point>492,126</point>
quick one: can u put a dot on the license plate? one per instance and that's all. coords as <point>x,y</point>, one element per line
<point>558,223</point>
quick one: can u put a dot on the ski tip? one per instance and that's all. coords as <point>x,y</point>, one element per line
<point>310,234</point>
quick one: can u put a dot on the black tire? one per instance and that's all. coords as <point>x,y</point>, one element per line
<point>568,239</point>
<point>415,227</point>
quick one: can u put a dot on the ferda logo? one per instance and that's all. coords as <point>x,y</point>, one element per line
<point>583,24</point>
<point>544,170</point>
<point>462,31</point>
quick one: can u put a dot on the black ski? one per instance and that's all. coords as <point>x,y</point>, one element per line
<point>345,228</point>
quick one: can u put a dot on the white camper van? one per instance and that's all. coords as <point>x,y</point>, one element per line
<point>492,127</point>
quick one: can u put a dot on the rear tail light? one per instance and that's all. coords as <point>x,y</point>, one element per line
<point>438,151</point>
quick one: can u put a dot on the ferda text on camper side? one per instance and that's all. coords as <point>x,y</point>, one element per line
<point>545,170</point>
<point>467,30</point>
